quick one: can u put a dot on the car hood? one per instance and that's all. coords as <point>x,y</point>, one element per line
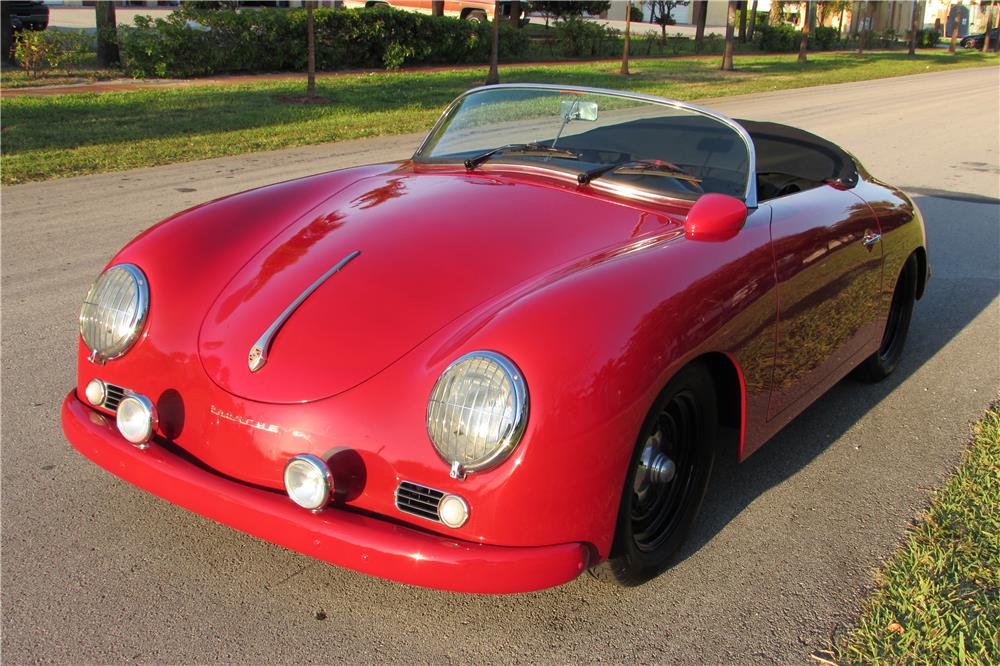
<point>432,246</point>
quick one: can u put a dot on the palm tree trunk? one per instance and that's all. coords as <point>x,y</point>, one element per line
<point>107,34</point>
<point>494,76</point>
<point>989,25</point>
<point>628,30</point>
<point>437,7</point>
<point>913,29</point>
<point>310,52</point>
<point>699,34</point>
<point>743,22</point>
<point>806,26</point>
<point>727,53</point>
<point>753,21</point>
<point>774,17</point>
<point>954,29</point>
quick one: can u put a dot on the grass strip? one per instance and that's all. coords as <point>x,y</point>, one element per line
<point>938,598</point>
<point>56,136</point>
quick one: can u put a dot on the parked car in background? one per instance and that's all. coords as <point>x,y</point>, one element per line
<point>508,359</point>
<point>976,41</point>
<point>26,15</point>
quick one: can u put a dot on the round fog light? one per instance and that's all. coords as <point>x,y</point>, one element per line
<point>136,419</point>
<point>308,481</point>
<point>453,511</point>
<point>95,392</point>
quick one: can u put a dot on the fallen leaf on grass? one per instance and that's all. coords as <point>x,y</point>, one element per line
<point>894,628</point>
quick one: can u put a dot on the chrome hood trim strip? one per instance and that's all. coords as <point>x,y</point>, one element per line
<point>257,357</point>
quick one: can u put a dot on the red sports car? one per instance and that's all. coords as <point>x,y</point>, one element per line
<point>509,359</point>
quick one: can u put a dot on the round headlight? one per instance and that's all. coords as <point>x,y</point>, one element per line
<point>114,311</point>
<point>136,419</point>
<point>308,481</point>
<point>477,411</point>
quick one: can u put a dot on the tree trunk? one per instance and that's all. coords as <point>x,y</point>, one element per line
<point>628,29</point>
<point>913,29</point>
<point>753,21</point>
<point>7,40</point>
<point>699,34</point>
<point>774,17</point>
<point>743,22</point>
<point>437,7</point>
<point>840,23</point>
<point>861,26</point>
<point>954,29</point>
<point>806,28</point>
<point>107,34</point>
<point>515,13</point>
<point>310,52</point>
<point>855,19</point>
<point>727,53</point>
<point>494,76</point>
<point>989,25</point>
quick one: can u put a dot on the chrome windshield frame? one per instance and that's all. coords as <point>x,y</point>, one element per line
<point>750,191</point>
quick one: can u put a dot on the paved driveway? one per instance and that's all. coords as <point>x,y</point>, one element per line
<point>97,571</point>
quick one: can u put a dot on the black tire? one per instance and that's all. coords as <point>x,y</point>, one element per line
<point>477,16</point>
<point>880,365</point>
<point>654,518</point>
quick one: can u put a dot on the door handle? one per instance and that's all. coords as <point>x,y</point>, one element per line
<point>870,238</point>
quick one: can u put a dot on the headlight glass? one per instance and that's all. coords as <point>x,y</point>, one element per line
<point>114,311</point>
<point>477,411</point>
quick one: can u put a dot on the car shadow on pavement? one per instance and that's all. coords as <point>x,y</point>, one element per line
<point>964,248</point>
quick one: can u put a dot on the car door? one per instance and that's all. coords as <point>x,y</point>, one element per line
<point>828,269</point>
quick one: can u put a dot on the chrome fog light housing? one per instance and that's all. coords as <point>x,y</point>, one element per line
<point>136,417</point>
<point>453,511</point>
<point>308,481</point>
<point>95,392</point>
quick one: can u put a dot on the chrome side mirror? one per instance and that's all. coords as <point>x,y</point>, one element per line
<point>577,110</point>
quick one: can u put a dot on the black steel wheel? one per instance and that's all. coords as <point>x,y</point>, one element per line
<point>880,365</point>
<point>667,478</point>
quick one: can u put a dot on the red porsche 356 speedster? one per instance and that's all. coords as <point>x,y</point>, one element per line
<point>509,359</point>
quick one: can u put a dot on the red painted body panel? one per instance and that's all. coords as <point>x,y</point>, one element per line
<point>598,301</point>
<point>356,541</point>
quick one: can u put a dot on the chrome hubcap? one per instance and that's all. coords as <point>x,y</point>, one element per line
<point>655,467</point>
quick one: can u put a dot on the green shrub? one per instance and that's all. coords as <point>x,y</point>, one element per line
<point>38,50</point>
<point>824,38</point>
<point>578,37</point>
<point>778,38</point>
<point>194,41</point>
<point>927,39</point>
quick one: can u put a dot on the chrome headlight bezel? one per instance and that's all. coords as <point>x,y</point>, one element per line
<point>93,314</point>
<point>508,437</point>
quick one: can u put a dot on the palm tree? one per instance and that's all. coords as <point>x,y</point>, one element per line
<point>774,17</point>
<point>701,8</point>
<point>310,52</point>
<point>628,30</point>
<point>107,29</point>
<point>954,26</point>
<point>494,76</point>
<point>989,25</point>
<point>727,54</point>
<point>806,27</point>
<point>913,29</point>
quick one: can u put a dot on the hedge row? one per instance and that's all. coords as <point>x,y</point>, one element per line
<point>785,38</point>
<point>198,42</point>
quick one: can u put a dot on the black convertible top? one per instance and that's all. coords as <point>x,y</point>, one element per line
<point>789,150</point>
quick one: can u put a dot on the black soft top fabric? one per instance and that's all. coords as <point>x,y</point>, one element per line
<point>792,151</point>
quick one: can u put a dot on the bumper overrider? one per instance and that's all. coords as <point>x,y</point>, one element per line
<point>364,543</point>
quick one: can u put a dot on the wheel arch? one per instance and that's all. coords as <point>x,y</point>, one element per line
<point>922,270</point>
<point>730,394</point>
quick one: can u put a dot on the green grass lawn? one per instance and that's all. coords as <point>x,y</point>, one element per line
<point>66,135</point>
<point>938,600</point>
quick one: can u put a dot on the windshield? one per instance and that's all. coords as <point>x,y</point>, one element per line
<point>601,138</point>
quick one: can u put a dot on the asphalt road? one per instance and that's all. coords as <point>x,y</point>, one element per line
<point>95,570</point>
